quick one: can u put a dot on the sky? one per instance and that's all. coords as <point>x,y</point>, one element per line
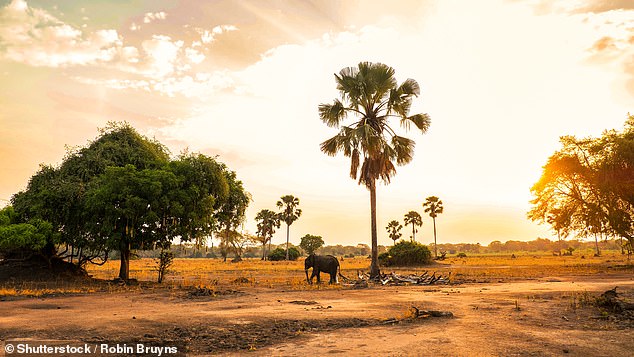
<point>502,80</point>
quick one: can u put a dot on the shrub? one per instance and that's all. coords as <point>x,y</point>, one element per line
<point>280,254</point>
<point>461,255</point>
<point>406,253</point>
<point>163,263</point>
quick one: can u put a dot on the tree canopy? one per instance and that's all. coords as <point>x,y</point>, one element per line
<point>587,187</point>
<point>123,192</point>
<point>310,243</point>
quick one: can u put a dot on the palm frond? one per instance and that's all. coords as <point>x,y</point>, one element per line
<point>332,114</point>
<point>422,122</point>
<point>409,88</point>
<point>330,147</point>
<point>404,149</point>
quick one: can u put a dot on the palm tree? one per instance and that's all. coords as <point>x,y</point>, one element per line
<point>269,220</point>
<point>290,213</point>
<point>371,95</point>
<point>394,230</point>
<point>413,218</point>
<point>433,206</point>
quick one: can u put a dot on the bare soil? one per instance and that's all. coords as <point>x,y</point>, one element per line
<point>537,317</point>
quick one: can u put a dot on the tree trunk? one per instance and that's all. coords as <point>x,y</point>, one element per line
<point>435,244</point>
<point>374,266</point>
<point>413,232</point>
<point>288,231</point>
<point>263,250</point>
<point>596,244</point>
<point>124,269</point>
<point>621,242</point>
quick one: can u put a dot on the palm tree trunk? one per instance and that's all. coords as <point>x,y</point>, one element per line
<point>288,230</point>
<point>435,244</point>
<point>413,233</point>
<point>374,266</point>
<point>263,249</point>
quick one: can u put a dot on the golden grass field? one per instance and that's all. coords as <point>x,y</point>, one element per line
<point>254,272</point>
<point>203,271</point>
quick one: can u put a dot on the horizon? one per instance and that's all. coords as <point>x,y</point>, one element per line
<point>501,81</point>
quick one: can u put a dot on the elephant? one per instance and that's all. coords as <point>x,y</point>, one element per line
<point>326,263</point>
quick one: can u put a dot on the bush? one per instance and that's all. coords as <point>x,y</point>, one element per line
<point>406,253</point>
<point>280,254</point>
<point>461,255</point>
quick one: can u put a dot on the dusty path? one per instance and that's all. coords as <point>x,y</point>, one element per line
<point>550,321</point>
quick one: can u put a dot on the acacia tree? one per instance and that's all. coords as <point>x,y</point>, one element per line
<point>371,95</point>
<point>413,218</point>
<point>268,222</point>
<point>289,214</point>
<point>394,230</point>
<point>433,207</point>
<point>586,187</point>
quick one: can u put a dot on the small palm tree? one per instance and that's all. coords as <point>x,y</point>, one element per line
<point>413,218</point>
<point>433,206</point>
<point>371,95</point>
<point>394,230</point>
<point>268,221</point>
<point>290,213</point>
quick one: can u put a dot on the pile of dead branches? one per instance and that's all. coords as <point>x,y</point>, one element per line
<point>396,279</point>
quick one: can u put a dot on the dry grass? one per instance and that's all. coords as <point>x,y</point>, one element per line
<point>290,275</point>
<point>254,272</point>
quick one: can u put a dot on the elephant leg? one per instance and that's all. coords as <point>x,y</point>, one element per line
<point>314,274</point>
<point>318,276</point>
<point>333,277</point>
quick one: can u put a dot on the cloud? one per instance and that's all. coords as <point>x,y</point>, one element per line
<point>161,54</point>
<point>33,36</point>
<point>611,42</point>
<point>207,36</point>
<point>153,16</point>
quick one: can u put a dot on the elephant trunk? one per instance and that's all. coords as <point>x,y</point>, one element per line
<point>308,281</point>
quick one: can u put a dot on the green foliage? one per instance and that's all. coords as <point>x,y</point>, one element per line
<point>230,214</point>
<point>406,253</point>
<point>311,243</point>
<point>267,222</point>
<point>122,192</point>
<point>371,94</point>
<point>280,254</point>
<point>461,255</point>
<point>394,230</point>
<point>16,237</point>
<point>413,218</point>
<point>289,214</point>
<point>163,263</point>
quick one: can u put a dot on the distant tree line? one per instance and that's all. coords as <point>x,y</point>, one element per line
<point>537,245</point>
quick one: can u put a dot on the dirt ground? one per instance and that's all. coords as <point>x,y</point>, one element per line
<point>537,317</point>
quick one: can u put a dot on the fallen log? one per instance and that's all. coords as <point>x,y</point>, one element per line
<point>396,279</point>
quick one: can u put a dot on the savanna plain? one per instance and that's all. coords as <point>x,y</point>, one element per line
<point>501,305</point>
